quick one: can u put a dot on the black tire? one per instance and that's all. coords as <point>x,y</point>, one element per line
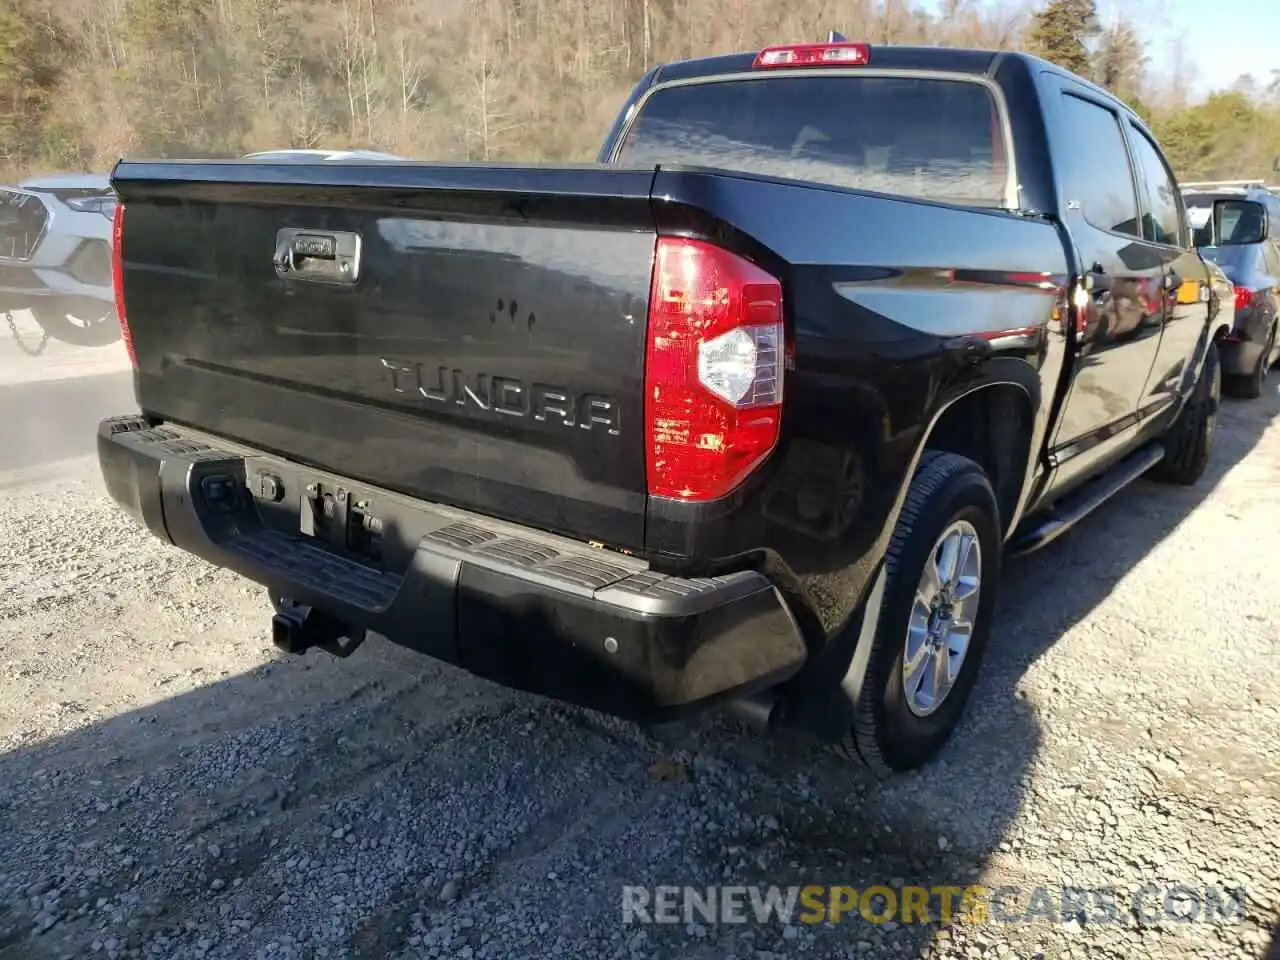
<point>96,330</point>
<point>887,736</point>
<point>1189,442</point>
<point>1250,387</point>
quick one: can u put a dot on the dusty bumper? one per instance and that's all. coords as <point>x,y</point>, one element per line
<point>529,610</point>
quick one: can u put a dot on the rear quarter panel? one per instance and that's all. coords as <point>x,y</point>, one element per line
<point>896,309</point>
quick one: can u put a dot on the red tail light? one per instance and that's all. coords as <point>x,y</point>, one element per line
<point>713,370</point>
<point>117,279</point>
<point>1244,298</point>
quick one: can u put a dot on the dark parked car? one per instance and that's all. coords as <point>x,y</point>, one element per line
<point>747,412</point>
<point>1238,228</point>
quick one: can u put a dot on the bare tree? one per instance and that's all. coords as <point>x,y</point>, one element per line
<point>487,79</point>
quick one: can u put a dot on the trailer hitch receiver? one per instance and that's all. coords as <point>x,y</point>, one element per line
<point>297,627</point>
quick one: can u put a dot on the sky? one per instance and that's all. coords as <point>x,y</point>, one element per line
<point>1224,38</point>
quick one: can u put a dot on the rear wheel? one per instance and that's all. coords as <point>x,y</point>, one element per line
<point>943,566</point>
<point>81,327</point>
<point>1189,441</point>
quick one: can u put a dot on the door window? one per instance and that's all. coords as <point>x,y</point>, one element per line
<point>1162,222</point>
<point>1098,165</point>
<point>1271,252</point>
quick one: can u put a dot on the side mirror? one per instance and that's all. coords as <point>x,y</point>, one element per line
<point>1238,223</point>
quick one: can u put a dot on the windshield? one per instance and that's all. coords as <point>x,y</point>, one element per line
<point>912,136</point>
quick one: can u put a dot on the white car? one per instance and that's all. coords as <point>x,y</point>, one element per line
<point>55,255</point>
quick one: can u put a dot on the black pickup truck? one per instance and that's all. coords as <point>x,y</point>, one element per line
<point>747,412</point>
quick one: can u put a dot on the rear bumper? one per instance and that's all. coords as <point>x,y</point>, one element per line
<point>1239,357</point>
<point>1241,350</point>
<point>526,609</point>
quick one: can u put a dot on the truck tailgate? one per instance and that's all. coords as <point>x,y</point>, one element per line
<point>468,335</point>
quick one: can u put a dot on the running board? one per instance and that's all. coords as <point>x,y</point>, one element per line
<point>1079,503</point>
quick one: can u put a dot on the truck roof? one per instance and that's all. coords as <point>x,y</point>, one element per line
<point>969,60</point>
<point>891,57</point>
<point>1015,72</point>
<point>1206,191</point>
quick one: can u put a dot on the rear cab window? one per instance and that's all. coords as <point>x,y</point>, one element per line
<point>920,137</point>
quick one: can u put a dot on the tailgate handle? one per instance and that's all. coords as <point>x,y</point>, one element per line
<point>318,256</point>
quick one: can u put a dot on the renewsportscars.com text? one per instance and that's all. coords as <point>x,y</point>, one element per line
<point>815,904</point>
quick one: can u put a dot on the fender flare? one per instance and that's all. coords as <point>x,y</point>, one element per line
<point>830,715</point>
<point>870,606</point>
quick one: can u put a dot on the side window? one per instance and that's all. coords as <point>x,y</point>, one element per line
<point>1099,163</point>
<point>1271,254</point>
<point>1163,219</point>
<point>1273,236</point>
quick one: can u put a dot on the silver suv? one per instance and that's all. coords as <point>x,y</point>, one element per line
<point>55,256</point>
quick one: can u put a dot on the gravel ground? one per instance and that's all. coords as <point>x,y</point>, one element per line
<point>171,787</point>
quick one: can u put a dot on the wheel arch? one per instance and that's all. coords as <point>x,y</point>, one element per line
<point>1001,384</point>
<point>994,425</point>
